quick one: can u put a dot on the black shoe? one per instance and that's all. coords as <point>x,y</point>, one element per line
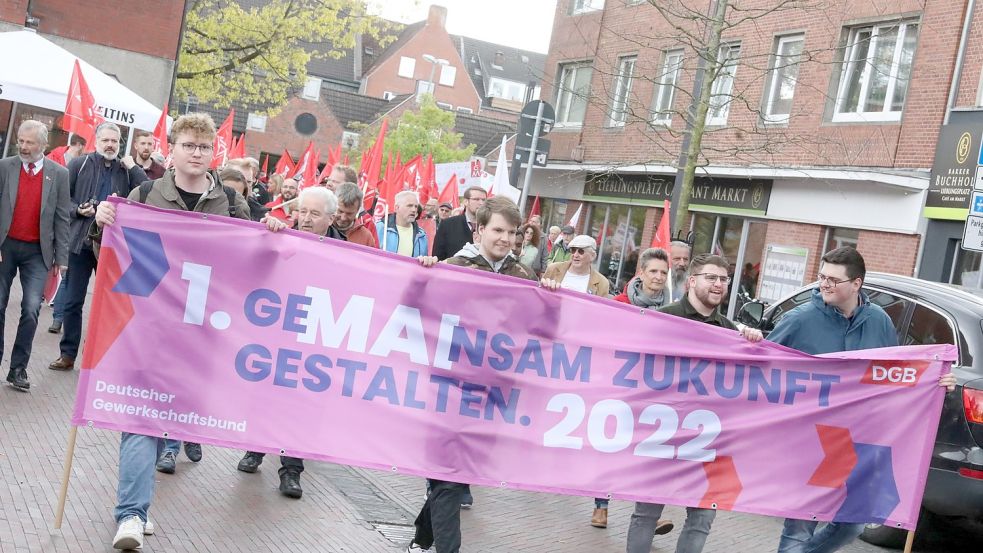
<point>193,451</point>
<point>18,379</point>
<point>251,462</point>
<point>166,463</point>
<point>55,327</point>
<point>290,484</point>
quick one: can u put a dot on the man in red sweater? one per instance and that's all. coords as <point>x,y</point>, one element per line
<point>33,235</point>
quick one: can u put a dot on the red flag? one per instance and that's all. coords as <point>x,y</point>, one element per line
<point>222,146</point>
<point>266,160</point>
<point>397,165</point>
<point>161,145</point>
<point>535,207</point>
<point>238,147</point>
<point>81,116</point>
<point>428,183</point>
<point>285,165</point>
<point>58,156</point>
<point>450,194</point>
<point>306,167</point>
<point>661,239</point>
<point>371,168</point>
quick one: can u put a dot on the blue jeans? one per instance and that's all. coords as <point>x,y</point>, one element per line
<point>137,465</point>
<point>174,446</point>
<point>600,503</point>
<point>800,536</point>
<point>80,267</point>
<point>59,302</point>
<point>641,530</point>
<point>26,258</point>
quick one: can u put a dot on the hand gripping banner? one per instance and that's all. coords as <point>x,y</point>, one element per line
<point>218,331</point>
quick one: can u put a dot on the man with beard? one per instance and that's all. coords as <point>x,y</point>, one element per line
<point>679,253</point>
<point>286,200</point>
<point>143,147</point>
<point>707,280</point>
<point>91,179</point>
<point>346,220</point>
<point>33,235</point>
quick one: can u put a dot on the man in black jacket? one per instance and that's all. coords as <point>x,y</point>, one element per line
<point>454,232</point>
<point>91,179</point>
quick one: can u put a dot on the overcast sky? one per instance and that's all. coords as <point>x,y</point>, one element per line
<point>523,24</point>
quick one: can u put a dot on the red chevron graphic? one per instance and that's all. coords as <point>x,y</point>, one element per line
<point>840,458</point>
<point>723,484</point>
<point>111,311</point>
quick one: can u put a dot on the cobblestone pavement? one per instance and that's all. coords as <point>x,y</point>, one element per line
<point>211,507</point>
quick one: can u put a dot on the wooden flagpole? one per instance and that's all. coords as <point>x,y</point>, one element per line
<point>910,541</point>
<point>66,473</point>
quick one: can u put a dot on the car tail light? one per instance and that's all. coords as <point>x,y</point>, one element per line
<point>970,473</point>
<point>973,403</point>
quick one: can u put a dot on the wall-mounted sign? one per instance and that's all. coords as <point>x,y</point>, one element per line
<point>716,195</point>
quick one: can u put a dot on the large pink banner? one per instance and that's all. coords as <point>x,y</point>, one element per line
<point>218,331</point>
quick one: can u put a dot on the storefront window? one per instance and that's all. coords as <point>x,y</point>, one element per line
<point>703,227</point>
<point>839,237</point>
<point>966,269</point>
<point>553,211</point>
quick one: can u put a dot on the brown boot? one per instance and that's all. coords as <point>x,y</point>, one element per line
<point>664,526</point>
<point>600,518</point>
<point>63,363</point>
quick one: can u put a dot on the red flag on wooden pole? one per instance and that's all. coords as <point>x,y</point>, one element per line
<point>81,116</point>
<point>223,142</point>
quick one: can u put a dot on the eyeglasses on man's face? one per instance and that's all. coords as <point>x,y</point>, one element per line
<point>713,278</point>
<point>830,281</point>
<point>190,147</point>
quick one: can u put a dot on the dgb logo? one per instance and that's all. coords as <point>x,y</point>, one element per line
<point>894,373</point>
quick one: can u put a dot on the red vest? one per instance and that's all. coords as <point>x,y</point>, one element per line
<point>26,224</point>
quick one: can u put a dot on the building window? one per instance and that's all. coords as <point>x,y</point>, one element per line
<point>666,90</point>
<point>622,91</point>
<point>447,75</point>
<point>407,67</point>
<point>784,75</point>
<point>509,90</point>
<point>349,140</point>
<point>387,95</point>
<point>306,124</point>
<point>312,89</point>
<point>423,87</point>
<point>572,95</point>
<point>839,237</point>
<point>721,94</point>
<point>462,109</point>
<point>583,6</point>
<point>876,70</point>
<point>256,122</point>
<point>445,105</point>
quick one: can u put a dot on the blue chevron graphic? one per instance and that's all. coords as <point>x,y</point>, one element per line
<point>148,263</point>
<point>871,491</point>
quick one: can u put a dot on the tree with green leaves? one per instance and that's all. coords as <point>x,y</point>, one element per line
<point>425,130</point>
<point>258,56</point>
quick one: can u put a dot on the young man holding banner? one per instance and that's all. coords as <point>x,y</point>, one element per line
<point>189,187</point>
<point>497,222</point>
<point>707,281</point>
<point>839,317</point>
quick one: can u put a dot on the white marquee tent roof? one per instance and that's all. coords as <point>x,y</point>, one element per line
<point>42,79</point>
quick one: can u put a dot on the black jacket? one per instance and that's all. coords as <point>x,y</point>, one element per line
<point>83,185</point>
<point>451,236</point>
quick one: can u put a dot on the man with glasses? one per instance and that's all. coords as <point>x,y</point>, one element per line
<point>707,281</point>
<point>839,317</point>
<point>454,232</point>
<point>189,187</point>
<point>91,179</point>
<point>577,274</point>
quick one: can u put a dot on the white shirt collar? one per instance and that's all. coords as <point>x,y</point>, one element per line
<point>27,166</point>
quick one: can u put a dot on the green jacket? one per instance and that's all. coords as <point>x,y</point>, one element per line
<point>683,308</point>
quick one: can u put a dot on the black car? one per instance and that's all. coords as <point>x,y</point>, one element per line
<point>927,313</point>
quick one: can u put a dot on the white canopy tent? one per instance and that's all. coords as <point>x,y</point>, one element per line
<point>42,74</point>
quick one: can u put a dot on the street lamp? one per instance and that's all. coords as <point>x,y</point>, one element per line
<point>434,62</point>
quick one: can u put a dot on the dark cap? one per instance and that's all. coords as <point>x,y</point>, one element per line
<point>447,205</point>
<point>567,230</point>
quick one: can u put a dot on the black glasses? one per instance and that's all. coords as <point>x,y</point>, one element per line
<point>190,147</point>
<point>579,250</point>
<point>711,277</point>
<point>830,281</point>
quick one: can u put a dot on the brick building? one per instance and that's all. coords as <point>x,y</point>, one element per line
<point>135,45</point>
<point>821,130</point>
<point>486,85</point>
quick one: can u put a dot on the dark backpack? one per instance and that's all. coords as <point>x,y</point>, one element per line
<point>230,194</point>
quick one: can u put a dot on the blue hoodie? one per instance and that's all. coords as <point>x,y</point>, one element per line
<point>817,328</point>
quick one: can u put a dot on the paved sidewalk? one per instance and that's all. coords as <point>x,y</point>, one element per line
<point>211,507</point>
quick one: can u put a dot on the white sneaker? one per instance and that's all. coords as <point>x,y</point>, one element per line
<point>148,528</point>
<point>130,534</point>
